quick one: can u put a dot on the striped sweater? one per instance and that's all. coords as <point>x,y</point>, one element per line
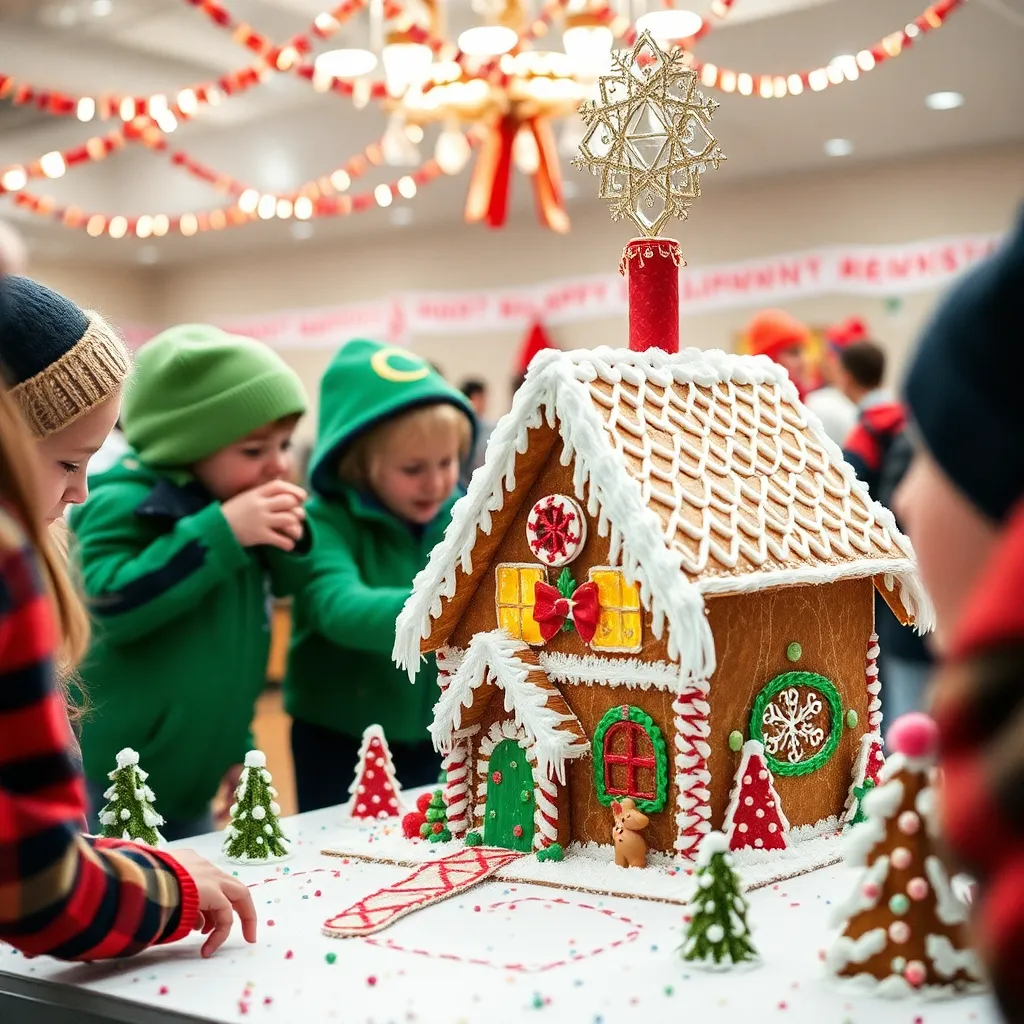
<point>63,894</point>
<point>978,703</point>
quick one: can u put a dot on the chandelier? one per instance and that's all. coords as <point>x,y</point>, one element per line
<point>497,89</point>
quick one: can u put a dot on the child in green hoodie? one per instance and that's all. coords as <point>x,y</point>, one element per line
<point>384,477</point>
<point>181,544</point>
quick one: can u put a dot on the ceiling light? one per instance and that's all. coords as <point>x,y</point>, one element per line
<point>487,41</point>
<point>383,195</point>
<point>101,8</point>
<point>838,147</point>
<point>944,100</point>
<point>161,225</point>
<point>345,63</point>
<point>341,180</point>
<point>666,26</point>
<point>118,227</point>
<point>589,47</point>
<point>301,230</point>
<point>405,64</point>
<point>407,187</point>
<point>303,207</point>
<point>144,226</point>
<point>452,151</point>
<point>86,108</point>
<point>266,207</point>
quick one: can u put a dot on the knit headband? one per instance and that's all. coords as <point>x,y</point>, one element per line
<point>89,373</point>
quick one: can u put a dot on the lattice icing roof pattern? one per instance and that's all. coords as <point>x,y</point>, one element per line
<point>738,478</point>
<point>706,473</point>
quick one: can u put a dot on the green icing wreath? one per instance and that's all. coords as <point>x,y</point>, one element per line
<point>810,680</point>
<point>645,721</point>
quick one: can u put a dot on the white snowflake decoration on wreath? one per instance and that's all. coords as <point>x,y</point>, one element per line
<point>795,736</point>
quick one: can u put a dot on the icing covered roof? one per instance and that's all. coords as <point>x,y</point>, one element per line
<point>706,472</point>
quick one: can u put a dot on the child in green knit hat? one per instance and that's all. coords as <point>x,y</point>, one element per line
<point>384,478</point>
<point>181,544</point>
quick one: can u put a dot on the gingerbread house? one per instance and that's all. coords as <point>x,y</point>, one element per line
<point>663,557</point>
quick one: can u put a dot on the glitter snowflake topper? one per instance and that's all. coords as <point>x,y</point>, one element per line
<point>649,136</point>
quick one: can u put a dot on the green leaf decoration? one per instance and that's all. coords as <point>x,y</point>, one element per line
<point>859,793</point>
<point>566,583</point>
<point>474,839</point>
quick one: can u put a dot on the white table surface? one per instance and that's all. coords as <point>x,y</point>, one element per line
<point>499,952</point>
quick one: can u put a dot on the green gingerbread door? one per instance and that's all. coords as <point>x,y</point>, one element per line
<point>508,818</point>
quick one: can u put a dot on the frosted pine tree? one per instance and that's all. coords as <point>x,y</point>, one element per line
<point>129,812</point>
<point>717,934</point>
<point>254,834</point>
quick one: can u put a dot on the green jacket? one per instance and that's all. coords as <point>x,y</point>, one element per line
<point>340,673</point>
<point>181,631</point>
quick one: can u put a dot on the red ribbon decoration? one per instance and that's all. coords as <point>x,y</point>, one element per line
<point>490,185</point>
<point>551,609</point>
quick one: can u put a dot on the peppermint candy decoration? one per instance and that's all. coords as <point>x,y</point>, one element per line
<point>556,529</point>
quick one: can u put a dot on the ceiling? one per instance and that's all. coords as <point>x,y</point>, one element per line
<point>282,133</point>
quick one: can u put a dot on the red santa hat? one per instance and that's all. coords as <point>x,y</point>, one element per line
<point>851,329</point>
<point>536,340</point>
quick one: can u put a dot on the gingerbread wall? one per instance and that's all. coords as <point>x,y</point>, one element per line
<point>832,624</point>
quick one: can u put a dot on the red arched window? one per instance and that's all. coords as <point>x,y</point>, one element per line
<point>630,765</point>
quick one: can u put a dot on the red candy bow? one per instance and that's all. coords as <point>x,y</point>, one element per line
<point>551,609</point>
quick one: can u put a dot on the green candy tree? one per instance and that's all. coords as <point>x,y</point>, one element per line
<point>435,828</point>
<point>717,934</point>
<point>254,835</point>
<point>129,812</point>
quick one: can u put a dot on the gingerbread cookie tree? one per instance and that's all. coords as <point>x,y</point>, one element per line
<point>902,925</point>
<point>718,934</point>
<point>754,819</point>
<point>129,812</point>
<point>254,835</point>
<point>375,790</point>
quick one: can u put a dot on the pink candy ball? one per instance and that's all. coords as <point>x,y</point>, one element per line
<point>917,888</point>
<point>908,823</point>
<point>899,931</point>
<point>900,858</point>
<point>870,890</point>
<point>915,973</point>
<point>913,735</point>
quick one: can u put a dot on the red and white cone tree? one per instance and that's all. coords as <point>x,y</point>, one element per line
<point>375,791</point>
<point>754,819</point>
<point>902,925</point>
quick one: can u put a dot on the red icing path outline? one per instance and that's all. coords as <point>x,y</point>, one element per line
<point>630,936</point>
<point>429,883</point>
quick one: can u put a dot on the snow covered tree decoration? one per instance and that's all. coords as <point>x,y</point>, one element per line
<point>754,818</point>
<point>903,928</point>
<point>254,835</point>
<point>717,934</point>
<point>129,812</point>
<point>374,790</point>
<point>866,774</point>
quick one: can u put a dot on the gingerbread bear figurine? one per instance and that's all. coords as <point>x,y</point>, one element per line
<point>630,845</point>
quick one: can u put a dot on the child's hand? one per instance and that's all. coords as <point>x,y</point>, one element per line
<point>220,898</point>
<point>269,514</point>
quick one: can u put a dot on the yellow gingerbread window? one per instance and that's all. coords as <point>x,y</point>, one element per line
<point>514,600</point>
<point>618,628</point>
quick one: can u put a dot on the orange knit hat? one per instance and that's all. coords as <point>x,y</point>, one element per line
<point>773,331</point>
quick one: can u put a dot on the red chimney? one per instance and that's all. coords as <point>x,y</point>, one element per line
<point>651,267</point>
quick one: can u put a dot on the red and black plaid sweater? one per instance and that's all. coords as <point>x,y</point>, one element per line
<point>978,704</point>
<point>61,893</point>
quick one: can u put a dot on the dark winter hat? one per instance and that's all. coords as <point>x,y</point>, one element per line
<point>58,360</point>
<point>964,385</point>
